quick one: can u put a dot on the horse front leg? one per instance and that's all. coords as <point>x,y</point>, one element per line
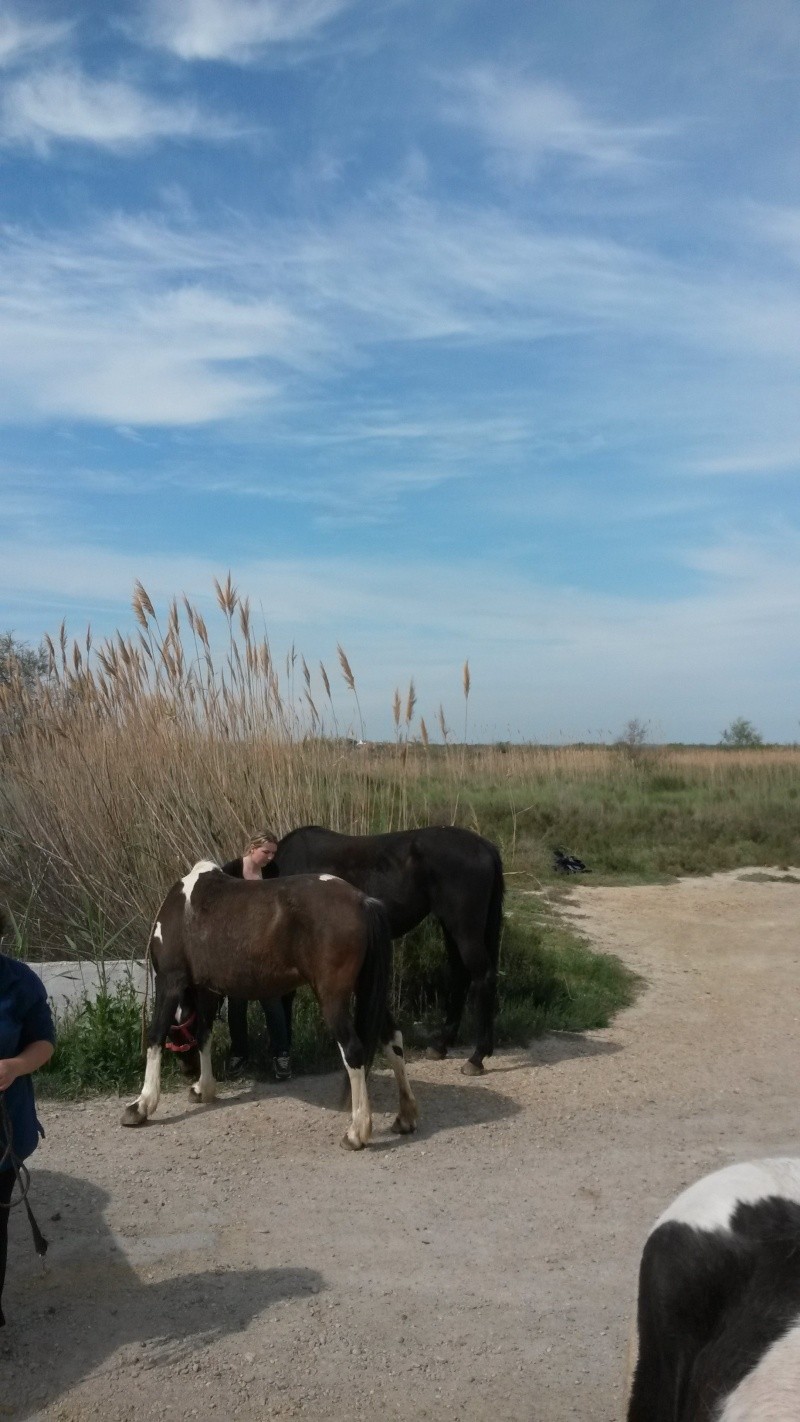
<point>167,1001</point>
<point>392,1040</point>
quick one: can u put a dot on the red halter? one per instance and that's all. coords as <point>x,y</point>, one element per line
<point>183,1039</point>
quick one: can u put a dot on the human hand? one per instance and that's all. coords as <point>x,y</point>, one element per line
<point>8,1073</point>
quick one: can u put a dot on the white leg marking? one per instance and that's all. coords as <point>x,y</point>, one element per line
<point>205,1088</point>
<point>407,1115</point>
<point>151,1091</point>
<point>360,1129</point>
<point>203,866</point>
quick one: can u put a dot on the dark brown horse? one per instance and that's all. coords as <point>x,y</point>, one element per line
<point>451,873</point>
<point>216,936</point>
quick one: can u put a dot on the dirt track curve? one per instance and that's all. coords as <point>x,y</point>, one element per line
<point>231,1261</point>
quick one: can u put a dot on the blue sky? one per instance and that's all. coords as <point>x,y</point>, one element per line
<point>453,330</point>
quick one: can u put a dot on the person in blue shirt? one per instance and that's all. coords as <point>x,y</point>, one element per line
<point>27,1039</point>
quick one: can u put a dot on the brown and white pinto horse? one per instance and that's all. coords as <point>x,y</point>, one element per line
<point>216,936</point>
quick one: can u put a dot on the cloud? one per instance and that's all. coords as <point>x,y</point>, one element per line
<point>524,122</point>
<point>19,38</point>
<point>768,459</point>
<point>777,226</point>
<point>94,328</point>
<point>234,30</point>
<point>65,106</point>
<point>140,320</point>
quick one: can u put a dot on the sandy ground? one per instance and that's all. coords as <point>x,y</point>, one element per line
<point>232,1261</point>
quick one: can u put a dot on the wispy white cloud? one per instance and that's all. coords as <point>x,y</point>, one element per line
<point>777,226</point>
<point>768,459</point>
<point>63,105</point>
<point>19,39</point>
<point>144,321</point>
<point>234,30</point>
<point>90,330</point>
<point>525,121</point>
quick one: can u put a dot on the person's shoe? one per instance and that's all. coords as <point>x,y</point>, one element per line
<point>236,1066</point>
<point>282,1067</point>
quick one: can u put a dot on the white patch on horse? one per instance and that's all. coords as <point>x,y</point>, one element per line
<point>151,1091</point>
<point>157,932</point>
<point>205,1088</point>
<point>326,878</point>
<point>772,1389</point>
<point>360,1129</point>
<point>711,1203</point>
<point>203,866</point>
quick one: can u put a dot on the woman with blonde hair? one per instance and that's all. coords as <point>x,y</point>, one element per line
<point>256,863</point>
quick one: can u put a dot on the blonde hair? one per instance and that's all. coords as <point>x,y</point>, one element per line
<point>259,840</point>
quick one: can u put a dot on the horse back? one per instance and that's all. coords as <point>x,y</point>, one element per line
<point>444,870</point>
<point>255,939</point>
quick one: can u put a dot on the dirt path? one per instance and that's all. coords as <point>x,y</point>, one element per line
<point>233,1262</point>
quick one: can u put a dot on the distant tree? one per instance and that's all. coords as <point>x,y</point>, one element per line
<point>17,659</point>
<point>740,734</point>
<point>634,734</point>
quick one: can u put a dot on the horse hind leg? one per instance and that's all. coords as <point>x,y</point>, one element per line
<point>166,1005</point>
<point>359,1132</point>
<point>457,989</point>
<point>405,1122</point>
<point>485,991</point>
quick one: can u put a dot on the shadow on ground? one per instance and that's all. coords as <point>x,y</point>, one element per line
<point>442,1104</point>
<point>557,1047</point>
<point>91,1302</point>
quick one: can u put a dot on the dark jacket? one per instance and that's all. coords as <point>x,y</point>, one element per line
<point>25,1017</point>
<point>235,868</point>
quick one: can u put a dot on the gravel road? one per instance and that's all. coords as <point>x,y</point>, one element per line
<point>231,1261</point>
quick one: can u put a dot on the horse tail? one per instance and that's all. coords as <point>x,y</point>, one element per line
<point>372,988</point>
<point>494,913</point>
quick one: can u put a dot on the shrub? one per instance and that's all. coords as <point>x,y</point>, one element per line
<point>741,735</point>
<point>98,1045</point>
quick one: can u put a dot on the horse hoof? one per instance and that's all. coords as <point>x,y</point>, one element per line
<point>471,1068</point>
<point>347,1144</point>
<point>132,1116</point>
<point>436,1054</point>
<point>403,1128</point>
<point>199,1099</point>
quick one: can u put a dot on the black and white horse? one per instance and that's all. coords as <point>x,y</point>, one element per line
<point>451,873</point>
<point>718,1325</point>
<point>216,936</point>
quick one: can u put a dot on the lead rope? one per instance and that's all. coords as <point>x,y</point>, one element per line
<point>8,1157</point>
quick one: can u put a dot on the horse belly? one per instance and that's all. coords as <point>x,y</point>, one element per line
<point>245,973</point>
